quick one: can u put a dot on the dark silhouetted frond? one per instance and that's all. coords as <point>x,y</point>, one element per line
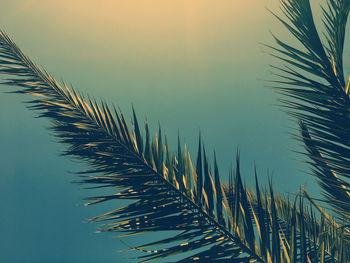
<point>159,183</point>
<point>316,93</point>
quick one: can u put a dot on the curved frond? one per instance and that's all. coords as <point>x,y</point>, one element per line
<point>144,169</point>
<point>316,93</point>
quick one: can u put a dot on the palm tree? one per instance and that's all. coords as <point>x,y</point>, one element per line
<point>211,221</point>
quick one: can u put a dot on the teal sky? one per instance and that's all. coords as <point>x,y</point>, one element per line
<point>189,64</point>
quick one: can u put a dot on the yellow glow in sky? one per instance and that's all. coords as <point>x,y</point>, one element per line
<point>139,27</point>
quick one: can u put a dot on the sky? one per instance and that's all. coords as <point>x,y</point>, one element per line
<point>188,64</point>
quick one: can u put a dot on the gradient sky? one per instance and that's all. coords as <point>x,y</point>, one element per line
<point>189,64</point>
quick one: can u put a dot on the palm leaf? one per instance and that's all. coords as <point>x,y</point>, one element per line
<point>316,94</point>
<point>118,156</point>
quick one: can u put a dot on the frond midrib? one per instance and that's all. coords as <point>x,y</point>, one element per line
<point>48,80</point>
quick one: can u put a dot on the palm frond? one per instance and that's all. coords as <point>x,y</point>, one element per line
<point>118,156</point>
<point>336,189</point>
<point>316,93</point>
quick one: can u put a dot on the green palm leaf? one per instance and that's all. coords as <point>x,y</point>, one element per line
<point>316,93</point>
<point>117,156</point>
